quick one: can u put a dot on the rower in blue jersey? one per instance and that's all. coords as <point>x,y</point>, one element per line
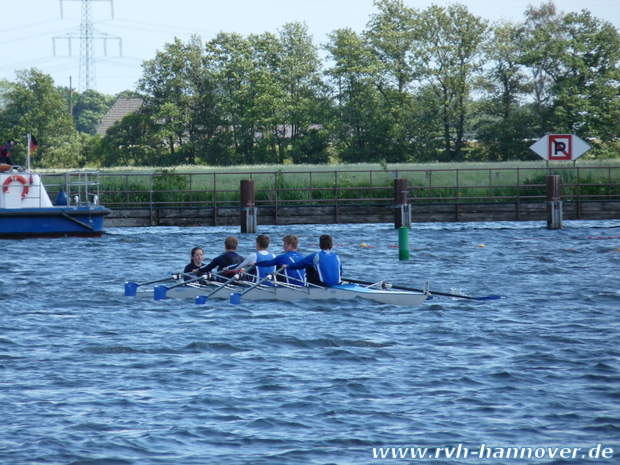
<point>290,256</point>
<point>322,268</point>
<point>261,255</point>
<point>226,260</point>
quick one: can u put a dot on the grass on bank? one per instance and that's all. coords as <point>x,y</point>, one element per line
<point>199,185</point>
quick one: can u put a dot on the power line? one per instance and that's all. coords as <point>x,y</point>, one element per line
<point>160,28</point>
<point>32,36</point>
<point>24,26</point>
<point>87,34</point>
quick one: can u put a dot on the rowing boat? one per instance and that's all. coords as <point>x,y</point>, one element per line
<point>276,291</point>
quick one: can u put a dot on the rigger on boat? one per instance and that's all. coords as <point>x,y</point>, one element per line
<point>237,288</point>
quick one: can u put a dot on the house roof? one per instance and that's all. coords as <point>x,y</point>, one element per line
<point>121,107</point>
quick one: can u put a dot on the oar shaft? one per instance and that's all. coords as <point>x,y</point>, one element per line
<point>445,294</point>
<point>235,297</point>
<point>171,278</point>
<point>159,291</point>
<point>201,299</point>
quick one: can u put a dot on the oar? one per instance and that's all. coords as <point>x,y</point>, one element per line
<point>402,288</point>
<point>159,291</point>
<point>235,297</point>
<point>202,299</point>
<point>131,287</point>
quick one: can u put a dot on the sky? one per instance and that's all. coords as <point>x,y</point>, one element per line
<point>35,34</point>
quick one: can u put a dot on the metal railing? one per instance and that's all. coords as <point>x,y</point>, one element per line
<point>81,187</point>
<point>280,188</point>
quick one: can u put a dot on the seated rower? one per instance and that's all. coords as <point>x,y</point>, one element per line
<point>290,256</point>
<point>226,260</point>
<point>261,255</point>
<point>197,256</point>
<point>322,268</point>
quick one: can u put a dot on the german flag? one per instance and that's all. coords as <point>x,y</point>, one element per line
<point>33,143</point>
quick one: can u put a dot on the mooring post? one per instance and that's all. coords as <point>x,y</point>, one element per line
<point>248,207</point>
<point>402,211</point>
<point>554,202</point>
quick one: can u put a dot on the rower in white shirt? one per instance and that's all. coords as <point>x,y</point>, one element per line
<point>261,255</point>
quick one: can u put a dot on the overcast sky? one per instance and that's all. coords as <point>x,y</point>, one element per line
<point>29,28</point>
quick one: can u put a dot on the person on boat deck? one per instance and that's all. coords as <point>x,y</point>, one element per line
<point>197,256</point>
<point>322,268</point>
<point>290,256</point>
<point>261,255</point>
<point>5,153</point>
<point>226,260</point>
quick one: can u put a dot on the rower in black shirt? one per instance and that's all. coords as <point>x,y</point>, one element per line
<point>228,258</point>
<point>197,255</point>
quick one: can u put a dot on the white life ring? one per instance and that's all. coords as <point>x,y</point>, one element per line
<point>17,177</point>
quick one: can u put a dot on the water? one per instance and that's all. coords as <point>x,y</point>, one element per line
<point>88,376</point>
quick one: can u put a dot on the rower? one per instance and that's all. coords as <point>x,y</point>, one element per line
<point>261,255</point>
<point>290,256</point>
<point>226,260</point>
<point>322,268</point>
<point>197,256</point>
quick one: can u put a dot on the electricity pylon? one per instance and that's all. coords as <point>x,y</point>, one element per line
<point>87,34</point>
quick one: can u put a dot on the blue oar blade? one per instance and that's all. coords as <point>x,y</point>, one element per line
<point>235,298</point>
<point>201,299</point>
<point>159,292</point>
<point>492,297</point>
<point>130,288</point>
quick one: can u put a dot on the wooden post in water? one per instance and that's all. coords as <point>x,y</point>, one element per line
<point>248,207</point>
<point>402,211</point>
<point>554,202</point>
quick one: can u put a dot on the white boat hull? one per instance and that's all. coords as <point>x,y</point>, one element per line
<point>289,293</point>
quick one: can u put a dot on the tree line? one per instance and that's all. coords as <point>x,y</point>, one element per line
<point>416,85</point>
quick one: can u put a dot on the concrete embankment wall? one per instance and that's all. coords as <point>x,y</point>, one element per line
<point>342,213</point>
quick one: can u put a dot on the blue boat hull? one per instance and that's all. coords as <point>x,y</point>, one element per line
<point>52,222</point>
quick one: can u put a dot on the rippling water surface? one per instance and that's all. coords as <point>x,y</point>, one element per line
<point>88,376</point>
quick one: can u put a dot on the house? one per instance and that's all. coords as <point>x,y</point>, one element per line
<point>121,107</point>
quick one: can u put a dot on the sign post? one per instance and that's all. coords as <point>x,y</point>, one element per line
<point>558,147</point>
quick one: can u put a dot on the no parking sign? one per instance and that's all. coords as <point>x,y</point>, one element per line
<point>560,147</point>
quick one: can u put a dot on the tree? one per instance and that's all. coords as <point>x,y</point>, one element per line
<point>574,58</point>
<point>504,123</point>
<point>359,124</point>
<point>269,93</point>
<point>129,142</point>
<point>89,108</point>
<point>588,94</point>
<point>450,48</point>
<point>34,104</point>
<point>266,96</point>
<point>228,59</point>
<point>395,69</point>
<point>305,94</point>
<point>391,38</point>
<point>171,82</point>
